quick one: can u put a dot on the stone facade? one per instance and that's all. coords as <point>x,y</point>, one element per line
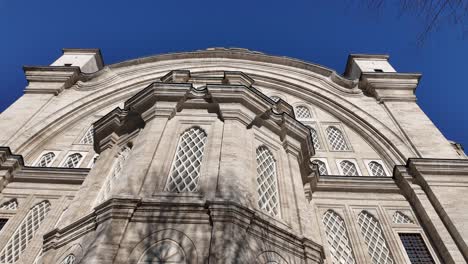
<point>226,156</point>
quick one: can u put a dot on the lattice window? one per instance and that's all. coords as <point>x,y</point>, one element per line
<point>70,259</point>
<point>376,169</point>
<point>113,178</point>
<point>3,222</point>
<point>88,137</point>
<point>416,248</point>
<point>303,112</point>
<point>374,238</point>
<point>315,138</point>
<point>10,205</point>
<point>46,160</point>
<point>336,139</point>
<point>401,218</point>
<point>185,170</point>
<point>72,160</point>
<point>267,187</point>
<point>164,252</point>
<point>348,168</point>
<point>337,238</point>
<point>275,98</point>
<point>321,166</point>
<point>25,232</point>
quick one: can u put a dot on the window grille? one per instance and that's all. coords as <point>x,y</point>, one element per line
<point>25,232</point>
<point>375,241</point>
<point>401,218</point>
<point>46,160</point>
<point>112,179</point>
<point>70,259</point>
<point>267,187</point>
<point>322,167</point>
<point>315,138</point>
<point>337,238</point>
<point>303,112</point>
<point>3,222</point>
<point>72,160</point>
<point>348,168</point>
<point>376,169</point>
<point>275,98</point>
<point>416,248</point>
<point>185,170</point>
<point>336,139</point>
<point>88,136</point>
<point>10,205</point>
<point>163,252</point>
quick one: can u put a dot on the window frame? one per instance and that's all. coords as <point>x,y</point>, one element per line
<point>71,152</point>
<point>366,163</point>
<point>56,152</point>
<point>315,125</point>
<point>352,160</point>
<point>308,107</point>
<point>401,247</point>
<point>277,184</point>
<point>324,160</point>
<point>339,126</point>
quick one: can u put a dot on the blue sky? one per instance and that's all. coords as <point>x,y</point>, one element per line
<point>323,32</point>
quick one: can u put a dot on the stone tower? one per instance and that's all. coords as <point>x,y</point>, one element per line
<point>226,156</point>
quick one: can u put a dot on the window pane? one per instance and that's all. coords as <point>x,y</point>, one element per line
<point>375,241</point>
<point>72,161</point>
<point>336,139</point>
<point>322,167</point>
<point>376,169</point>
<point>337,238</point>
<point>46,160</point>
<point>303,112</point>
<point>315,138</point>
<point>187,162</point>
<point>401,218</point>
<point>267,187</point>
<point>88,137</point>
<point>10,205</point>
<point>348,168</point>
<point>70,259</point>
<point>416,249</point>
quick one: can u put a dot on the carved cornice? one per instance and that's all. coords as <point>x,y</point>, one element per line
<point>390,86</point>
<point>169,211</point>
<point>441,172</point>
<point>50,79</point>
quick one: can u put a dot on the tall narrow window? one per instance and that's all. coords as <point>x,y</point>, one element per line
<point>267,187</point>
<point>416,249</point>
<point>25,232</point>
<point>46,160</point>
<point>70,259</point>
<point>376,169</point>
<point>3,222</point>
<point>348,168</point>
<point>336,139</point>
<point>302,112</point>
<point>374,238</point>
<point>322,167</point>
<point>185,170</point>
<point>315,138</point>
<point>401,218</point>
<point>337,238</point>
<point>72,160</point>
<point>112,179</point>
<point>10,205</point>
<point>88,136</point>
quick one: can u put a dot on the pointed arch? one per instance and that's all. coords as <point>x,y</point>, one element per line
<point>372,233</point>
<point>267,181</point>
<point>337,238</point>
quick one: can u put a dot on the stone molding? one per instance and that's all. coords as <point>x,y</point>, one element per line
<point>194,212</point>
<point>390,86</point>
<point>50,79</point>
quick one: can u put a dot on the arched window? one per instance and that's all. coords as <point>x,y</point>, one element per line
<point>336,139</point>
<point>185,170</point>
<point>25,232</point>
<point>165,251</point>
<point>88,136</point>
<point>46,160</point>
<point>401,218</point>
<point>348,168</point>
<point>374,238</point>
<point>337,238</point>
<point>321,166</point>
<point>315,138</point>
<point>113,177</point>
<point>10,205</point>
<point>267,187</point>
<point>70,259</point>
<point>376,169</point>
<point>302,112</point>
<point>72,160</point>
